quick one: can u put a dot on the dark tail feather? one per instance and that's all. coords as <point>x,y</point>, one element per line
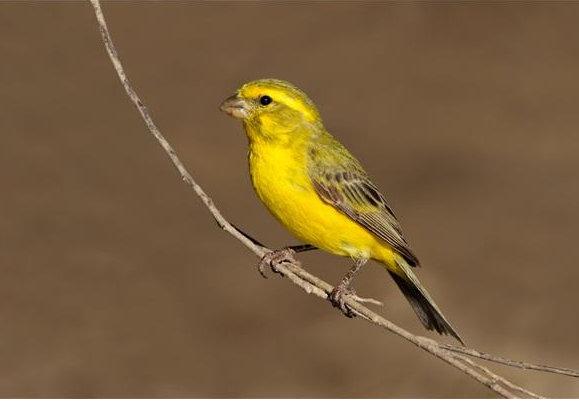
<point>423,305</point>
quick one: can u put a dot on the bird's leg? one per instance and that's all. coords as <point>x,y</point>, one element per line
<point>249,237</point>
<point>302,248</point>
<point>287,254</point>
<point>336,297</point>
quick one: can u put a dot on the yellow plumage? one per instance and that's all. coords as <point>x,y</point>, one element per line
<point>279,178</point>
<point>319,191</point>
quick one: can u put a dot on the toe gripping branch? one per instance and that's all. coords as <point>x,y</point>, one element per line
<point>271,259</point>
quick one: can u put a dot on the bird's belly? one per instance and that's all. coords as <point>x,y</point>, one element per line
<point>286,191</point>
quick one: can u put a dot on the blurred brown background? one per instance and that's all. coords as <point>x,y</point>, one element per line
<point>116,282</point>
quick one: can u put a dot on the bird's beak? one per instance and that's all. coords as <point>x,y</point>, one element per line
<point>235,107</point>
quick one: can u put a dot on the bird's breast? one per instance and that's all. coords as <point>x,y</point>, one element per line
<point>279,176</point>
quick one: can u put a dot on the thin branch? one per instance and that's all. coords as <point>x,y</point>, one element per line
<point>499,379</point>
<point>300,277</point>
<point>111,50</point>
<point>509,362</point>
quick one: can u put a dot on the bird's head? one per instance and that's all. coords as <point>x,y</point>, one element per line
<point>271,105</point>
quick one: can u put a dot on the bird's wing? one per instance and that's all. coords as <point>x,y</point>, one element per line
<point>341,182</point>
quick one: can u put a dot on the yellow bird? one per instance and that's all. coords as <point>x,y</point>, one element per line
<point>320,192</point>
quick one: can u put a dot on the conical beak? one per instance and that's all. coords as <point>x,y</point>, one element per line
<point>235,107</point>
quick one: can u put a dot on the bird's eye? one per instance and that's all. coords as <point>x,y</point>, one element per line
<point>265,100</point>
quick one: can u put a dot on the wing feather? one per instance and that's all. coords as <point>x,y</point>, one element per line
<point>348,188</point>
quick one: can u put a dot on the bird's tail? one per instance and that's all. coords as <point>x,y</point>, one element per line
<point>423,305</point>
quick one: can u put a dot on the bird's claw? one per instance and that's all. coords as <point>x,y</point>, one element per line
<point>270,260</point>
<point>337,298</point>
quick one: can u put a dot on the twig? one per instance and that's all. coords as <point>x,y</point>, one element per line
<point>300,277</point>
<point>499,379</point>
<point>509,362</point>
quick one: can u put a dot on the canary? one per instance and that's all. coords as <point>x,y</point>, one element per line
<point>313,185</point>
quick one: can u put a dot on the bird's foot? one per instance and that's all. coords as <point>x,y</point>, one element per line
<point>271,259</point>
<point>337,299</point>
